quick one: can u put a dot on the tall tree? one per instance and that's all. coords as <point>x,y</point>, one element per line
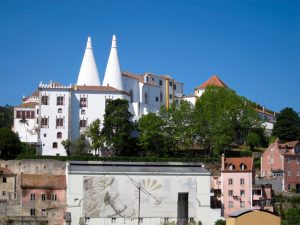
<point>6,116</point>
<point>222,117</point>
<point>287,126</point>
<point>10,145</point>
<point>118,128</point>
<point>94,133</point>
<point>80,146</point>
<point>152,138</point>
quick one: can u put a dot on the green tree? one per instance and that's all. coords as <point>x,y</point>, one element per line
<point>181,122</point>
<point>80,146</point>
<point>67,144</point>
<point>293,216</point>
<point>220,222</point>
<point>222,117</point>
<point>10,145</point>
<point>94,133</point>
<point>253,140</point>
<point>6,116</point>
<point>118,128</point>
<point>152,138</point>
<point>287,126</point>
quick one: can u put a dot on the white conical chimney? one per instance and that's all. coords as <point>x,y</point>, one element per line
<point>88,74</point>
<point>113,75</point>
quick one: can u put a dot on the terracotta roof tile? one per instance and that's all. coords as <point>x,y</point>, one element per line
<point>98,88</point>
<point>5,171</point>
<point>27,105</point>
<point>213,81</point>
<point>43,181</point>
<point>139,77</point>
<point>236,163</point>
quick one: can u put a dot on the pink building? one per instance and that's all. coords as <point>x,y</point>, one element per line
<point>238,191</point>
<point>282,161</point>
<point>44,197</point>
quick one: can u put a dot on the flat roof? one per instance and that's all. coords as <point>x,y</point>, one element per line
<point>100,167</point>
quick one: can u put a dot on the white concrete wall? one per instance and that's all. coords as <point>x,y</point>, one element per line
<point>48,135</point>
<point>124,194</point>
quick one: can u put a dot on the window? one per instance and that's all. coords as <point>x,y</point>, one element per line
<point>131,96</point>
<point>171,83</point>
<point>45,135</point>
<point>45,100</point>
<point>242,204</point>
<point>44,122</point>
<point>59,122</point>
<point>60,100</point>
<point>43,197</point>
<point>44,213</point>
<point>32,212</point>
<point>32,197</point>
<point>160,82</point>
<point>59,135</point>
<point>156,99</point>
<point>230,193</point>
<point>289,187</point>
<point>83,102</point>
<point>3,193</point>
<point>231,167</point>
<point>141,220</point>
<point>4,180</point>
<point>243,166</point>
<point>174,86</point>
<point>171,96</point>
<point>242,192</point>
<point>146,98</point>
<point>37,111</point>
<point>152,78</point>
<point>161,97</point>
<point>298,173</point>
<point>289,173</point>
<point>242,181</point>
<point>19,114</point>
<point>59,110</point>
<point>83,123</point>
<point>230,204</point>
<point>53,197</point>
<point>54,145</point>
<point>230,181</point>
<point>166,220</point>
<point>113,220</point>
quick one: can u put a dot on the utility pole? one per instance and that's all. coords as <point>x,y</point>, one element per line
<point>139,209</point>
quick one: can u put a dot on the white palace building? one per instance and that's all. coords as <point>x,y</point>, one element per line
<point>57,112</point>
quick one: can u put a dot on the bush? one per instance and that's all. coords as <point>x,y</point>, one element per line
<point>220,222</point>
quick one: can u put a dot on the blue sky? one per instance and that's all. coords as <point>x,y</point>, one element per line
<point>253,45</point>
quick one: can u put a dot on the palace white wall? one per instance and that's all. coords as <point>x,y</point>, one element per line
<point>52,111</point>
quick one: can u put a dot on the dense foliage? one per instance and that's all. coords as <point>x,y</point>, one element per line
<point>6,116</point>
<point>10,145</point>
<point>287,126</point>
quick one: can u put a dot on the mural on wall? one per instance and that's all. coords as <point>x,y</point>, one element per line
<point>118,196</point>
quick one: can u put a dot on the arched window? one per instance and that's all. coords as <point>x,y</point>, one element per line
<point>54,145</point>
<point>59,135</point>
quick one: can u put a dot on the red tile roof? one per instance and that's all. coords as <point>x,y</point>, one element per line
<point>98,88</point>
<point>43,181</point>
<point>5,171</point>
<point>27,105</point>
<point>237,162</point>
<point>138,77</point>
<point>213,81</point>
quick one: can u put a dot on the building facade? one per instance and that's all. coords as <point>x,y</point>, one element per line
<point>138,193</point>
<point>238,188</point>
<point>58,112</point>
<point>282,161</point>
